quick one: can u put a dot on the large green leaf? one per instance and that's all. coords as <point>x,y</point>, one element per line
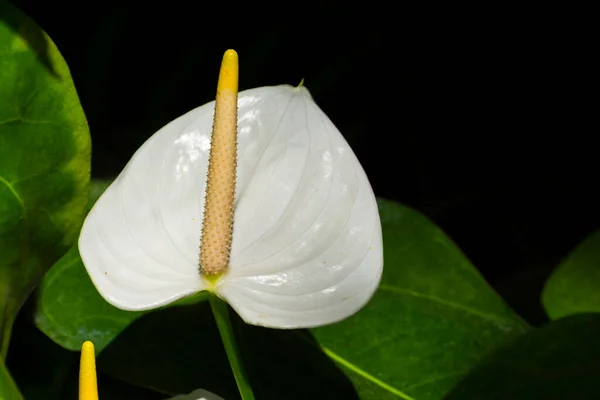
<point>431,320</point>
<point>558,361</point>
<point>574,286</point>
<point>8,389</point>
<point>44,160</point>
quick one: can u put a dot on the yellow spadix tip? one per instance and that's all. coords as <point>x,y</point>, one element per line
<point>228,77</point>
<point>88,386</point>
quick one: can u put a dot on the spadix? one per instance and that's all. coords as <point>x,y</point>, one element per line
<point>306,248</point>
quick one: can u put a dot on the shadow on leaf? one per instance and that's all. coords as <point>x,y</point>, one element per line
<point>30,32</point>
<point>172,351</point>
<point>560,360</point>
<point>289,364</point>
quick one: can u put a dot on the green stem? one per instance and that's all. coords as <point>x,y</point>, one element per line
<point>221,313</point>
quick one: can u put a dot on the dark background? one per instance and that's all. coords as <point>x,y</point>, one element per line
<point>472,116</point>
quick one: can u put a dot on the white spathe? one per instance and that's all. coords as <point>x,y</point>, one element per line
<point>306,249</point>
<point>199,394</point>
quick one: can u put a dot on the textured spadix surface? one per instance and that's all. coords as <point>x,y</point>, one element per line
<point>306,247</point>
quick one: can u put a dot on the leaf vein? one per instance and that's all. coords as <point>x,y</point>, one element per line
<point>435,379</point>
<point>342,361</point>
<point>357,370</point>
<point>446,303</point>
<point>13,191</point>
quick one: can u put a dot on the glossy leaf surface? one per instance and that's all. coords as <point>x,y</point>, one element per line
<point>44,160</point>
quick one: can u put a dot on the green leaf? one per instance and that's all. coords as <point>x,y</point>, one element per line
<point>558,361</point>
<point>574,286</point>
<point>97,187</point>
<point>8,389</point>
<point>44,160</point>
<point>431,320</point>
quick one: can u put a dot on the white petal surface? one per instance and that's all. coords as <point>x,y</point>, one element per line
<point>306,248</point>
<point>199,394</point>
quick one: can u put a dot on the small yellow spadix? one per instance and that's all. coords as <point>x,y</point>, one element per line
<point>220,185</point>
<point>88,386</point>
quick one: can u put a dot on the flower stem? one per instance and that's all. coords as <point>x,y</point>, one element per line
<point>221,313</point>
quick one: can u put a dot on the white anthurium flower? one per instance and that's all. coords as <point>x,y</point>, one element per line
<point>199,394</point>
<point>305,248</point>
